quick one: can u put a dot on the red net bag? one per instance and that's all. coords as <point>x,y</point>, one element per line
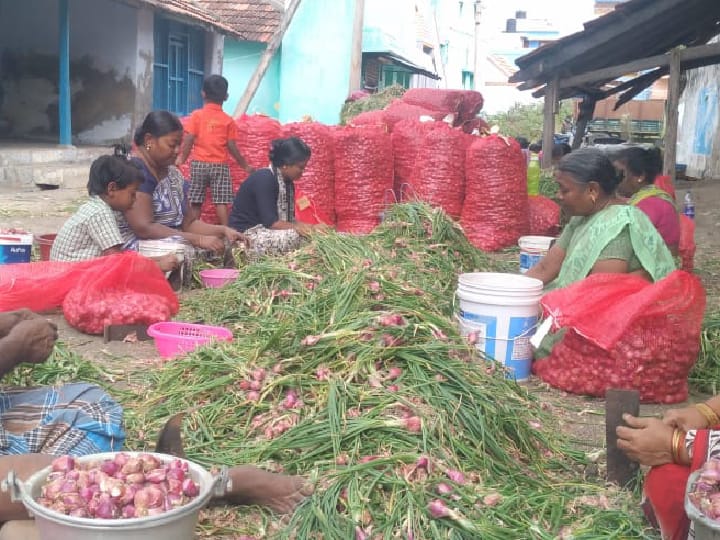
<point>38,286</point>
<point>318,180</point>
<point>544,216</point>
<point>687,247</point>
<point>439,174</point>
<point>495,212</point>
<point>363,177</point>
<point>623,332</point>
<point>126,288</point>
<point>464,104</point>
<point>399,110</point>
<point>375,118</point>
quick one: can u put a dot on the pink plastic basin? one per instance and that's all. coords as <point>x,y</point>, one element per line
<point>218,277</point>
<point>175,338</point>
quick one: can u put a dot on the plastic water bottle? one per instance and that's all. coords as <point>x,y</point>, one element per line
<point>533,174</point>
<point>689,205</point>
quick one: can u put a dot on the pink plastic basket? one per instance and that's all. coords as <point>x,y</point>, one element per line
<point>218,277</point>
<point>175,338</point>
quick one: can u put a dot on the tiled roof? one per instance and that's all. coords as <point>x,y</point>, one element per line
<point>252,20</point>
<point>193,10</point>
<point>502,64</point>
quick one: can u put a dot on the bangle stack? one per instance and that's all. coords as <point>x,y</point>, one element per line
<point>710,416</point>
<point>678,438</point>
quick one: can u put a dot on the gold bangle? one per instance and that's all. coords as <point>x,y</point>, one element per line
<point>710,415</point>
<point>677,438</point>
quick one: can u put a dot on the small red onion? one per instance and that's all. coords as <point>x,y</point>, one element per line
<point>438,509</point>
<point>190,488</point>
<point>455,476</point>
<point>443,489</point>
<point>156,476</point>
<point>63,464</point>
<point>394,372</point>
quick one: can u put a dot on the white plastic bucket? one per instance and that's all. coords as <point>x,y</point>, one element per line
<point>532,249</point>
<point>502,309</point>
<point>158,248</point>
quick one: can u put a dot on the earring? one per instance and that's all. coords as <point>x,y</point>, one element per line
<point>592,198</point>
<point>147,147</point>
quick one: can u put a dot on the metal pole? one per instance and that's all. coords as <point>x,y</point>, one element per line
<point>64,107</point>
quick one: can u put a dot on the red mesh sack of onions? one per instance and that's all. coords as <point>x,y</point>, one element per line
<point>375,118</point>
<point>126,288</point>
<point>399,110</point>
<point>363,177</point>
<point>255,133</point>
<point>495,211</point>
<point>544,216</point>
<point>406,142</point>
<point>122,487</point>
<point>438,177</point>
<point>464,104</point>
<point>687,246</point>
<point>318,180</point>
<point>623,332</point>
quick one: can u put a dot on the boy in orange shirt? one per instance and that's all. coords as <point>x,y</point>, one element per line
<point>213,133</point>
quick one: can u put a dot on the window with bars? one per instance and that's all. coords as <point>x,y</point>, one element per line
<point>179,66</point>
<point>395,75</point>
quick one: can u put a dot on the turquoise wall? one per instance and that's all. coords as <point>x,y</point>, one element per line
<point>315,64</point>
<point>239,62</point>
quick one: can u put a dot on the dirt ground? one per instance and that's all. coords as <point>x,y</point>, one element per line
<point>583,418</point>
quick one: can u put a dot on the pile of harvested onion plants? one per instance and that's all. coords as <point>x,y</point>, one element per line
<point>705,374</point>
<point>347,367</point>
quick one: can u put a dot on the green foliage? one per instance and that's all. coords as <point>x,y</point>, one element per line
<point>373,102</point>
<point>527,120</point>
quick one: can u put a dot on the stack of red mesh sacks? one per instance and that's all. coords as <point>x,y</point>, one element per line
<point>430,164</point>
<point>495,212</point>
<point>623,332</point>
<point>255,132</point>
<point>318,180</point>
<point>363,177</point>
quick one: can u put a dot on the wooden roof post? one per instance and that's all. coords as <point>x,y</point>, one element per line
<point>549,110</point>
<point>671,114</point>
<point>356,55</point>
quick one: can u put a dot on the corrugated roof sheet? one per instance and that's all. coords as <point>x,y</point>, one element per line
<point>634,29</point>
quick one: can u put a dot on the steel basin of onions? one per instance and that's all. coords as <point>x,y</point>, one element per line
<point>706,528</point>
<point>175,524</point>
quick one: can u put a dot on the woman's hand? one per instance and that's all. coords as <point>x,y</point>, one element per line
<point>168,263</point>
<point>234,237</point>
<point>685,418</point>
<point>647,440</point>
<point>211,243</point>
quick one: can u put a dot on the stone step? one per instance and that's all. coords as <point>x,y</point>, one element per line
<point>23,166</point>
<point>64,175</point>
<point>18,154</point>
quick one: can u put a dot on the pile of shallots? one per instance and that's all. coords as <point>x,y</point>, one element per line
<point>123,487</point>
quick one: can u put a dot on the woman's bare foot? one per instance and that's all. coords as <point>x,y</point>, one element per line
<point>278,492</point>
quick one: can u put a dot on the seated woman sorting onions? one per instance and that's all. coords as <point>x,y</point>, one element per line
<point>604,234</point>
<point>674,447</point>
<point>161,207</point>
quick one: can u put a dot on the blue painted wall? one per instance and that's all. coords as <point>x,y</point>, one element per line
<point>315,63</point>
<point>240,58</point>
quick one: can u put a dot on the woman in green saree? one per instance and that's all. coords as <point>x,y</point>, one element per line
<point>604,234</point>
